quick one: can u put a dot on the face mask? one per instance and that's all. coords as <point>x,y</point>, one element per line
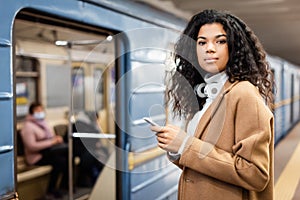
<point>39,115</point>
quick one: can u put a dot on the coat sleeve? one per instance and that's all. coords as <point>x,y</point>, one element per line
<point>248,164</point>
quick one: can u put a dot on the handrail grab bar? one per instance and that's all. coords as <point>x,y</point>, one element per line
<point>94,135</point>
<point>6,148</point>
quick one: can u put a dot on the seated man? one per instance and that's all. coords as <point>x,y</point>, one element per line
<point>43,147</point>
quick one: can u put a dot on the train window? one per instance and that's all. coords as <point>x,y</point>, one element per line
<point>98,85</point>
<point>292,98</point>
<point>27,75</point>
<point>25,64</point>
<point>57,85</point>
<point>78,88</point>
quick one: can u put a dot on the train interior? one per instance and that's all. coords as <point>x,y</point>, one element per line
<point>64,65</point>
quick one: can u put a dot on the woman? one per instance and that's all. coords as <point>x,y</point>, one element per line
<point>43,147</point>
<point>226,149</point>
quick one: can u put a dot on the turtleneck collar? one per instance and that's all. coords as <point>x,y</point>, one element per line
<point>215,78</point>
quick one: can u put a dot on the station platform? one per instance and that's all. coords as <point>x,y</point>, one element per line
<point>287,166</point>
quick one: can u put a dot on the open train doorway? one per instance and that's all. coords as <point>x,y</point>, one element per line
<point>70,68</point>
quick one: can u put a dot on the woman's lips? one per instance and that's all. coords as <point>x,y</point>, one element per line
<point>210,60</point>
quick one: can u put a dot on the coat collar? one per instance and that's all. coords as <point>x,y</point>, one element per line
<point>209,113</point>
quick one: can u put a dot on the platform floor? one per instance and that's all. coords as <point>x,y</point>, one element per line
<point>287,166</point>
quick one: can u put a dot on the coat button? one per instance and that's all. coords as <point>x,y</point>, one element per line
<point>188,180</point>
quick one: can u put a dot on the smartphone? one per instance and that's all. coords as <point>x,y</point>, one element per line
<point>150,121</point>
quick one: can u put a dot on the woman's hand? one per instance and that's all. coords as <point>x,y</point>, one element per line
<point>57,139</point>
<point>169,137</point>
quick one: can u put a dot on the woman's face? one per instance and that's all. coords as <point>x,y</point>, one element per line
<point>212,48</point>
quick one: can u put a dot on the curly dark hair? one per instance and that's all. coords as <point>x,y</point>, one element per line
<point>247,61</point>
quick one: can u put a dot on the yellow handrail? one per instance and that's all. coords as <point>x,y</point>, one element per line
<point>138,158</point>
<point>286,101</point>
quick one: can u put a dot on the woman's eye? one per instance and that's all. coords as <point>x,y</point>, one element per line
<point>222,41</point>
<point>201,43</point>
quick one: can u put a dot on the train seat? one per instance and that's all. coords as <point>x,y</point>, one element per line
<point>26,172</point>
<point>32,181</point>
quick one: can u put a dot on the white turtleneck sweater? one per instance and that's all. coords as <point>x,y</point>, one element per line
<point>214,84</point>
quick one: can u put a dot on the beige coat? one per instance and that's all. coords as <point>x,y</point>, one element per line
<point>233,159</point>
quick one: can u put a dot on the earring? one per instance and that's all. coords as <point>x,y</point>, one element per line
<point>198,90</point>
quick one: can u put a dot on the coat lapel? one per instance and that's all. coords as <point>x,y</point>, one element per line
<point>209,113</point>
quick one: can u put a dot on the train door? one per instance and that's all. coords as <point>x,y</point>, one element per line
<point>71,69</point>
<point>7,166</point>
<point>148,166</point>
<point>286,92</point>
<point>7,176</point>
<point>145,168</point>
<point>277,69</point>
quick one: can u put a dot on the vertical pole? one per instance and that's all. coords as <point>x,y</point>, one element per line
<point>70,132</point>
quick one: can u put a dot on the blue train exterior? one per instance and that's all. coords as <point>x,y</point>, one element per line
<point>287,96</point>
<point>140,86</point>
